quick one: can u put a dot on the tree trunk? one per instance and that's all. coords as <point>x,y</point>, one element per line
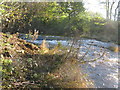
<point>116,16</point>
<point>107,9</point>
<point>111,9</point>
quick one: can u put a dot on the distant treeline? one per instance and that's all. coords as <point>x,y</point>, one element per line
<point>55,18</point>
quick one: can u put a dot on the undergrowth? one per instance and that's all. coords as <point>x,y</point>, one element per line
<point>25,65</point>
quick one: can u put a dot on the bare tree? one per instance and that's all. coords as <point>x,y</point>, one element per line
<point>107,9</point>
<point>116,9</point>
<point>111,7</point>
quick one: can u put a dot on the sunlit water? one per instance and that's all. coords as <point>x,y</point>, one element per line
<point>104,71</point>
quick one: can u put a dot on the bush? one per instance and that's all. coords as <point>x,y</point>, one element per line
<point>32,67</point>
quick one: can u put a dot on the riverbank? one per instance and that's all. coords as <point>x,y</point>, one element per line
<point>25,65</point>
<point>103,71</point>
<point>65,41</point>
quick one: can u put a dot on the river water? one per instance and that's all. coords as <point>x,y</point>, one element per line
<point>104,71</point>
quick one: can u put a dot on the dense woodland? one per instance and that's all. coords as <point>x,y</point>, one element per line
<point>25,65</point>
<point>56,18</point>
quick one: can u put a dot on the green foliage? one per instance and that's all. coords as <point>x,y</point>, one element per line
<point>6,70</point>
<point>93,23</point>
<point>51,18</point>
<point>12,72</point>
<point>55,18</point>
<point>46,17</point>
